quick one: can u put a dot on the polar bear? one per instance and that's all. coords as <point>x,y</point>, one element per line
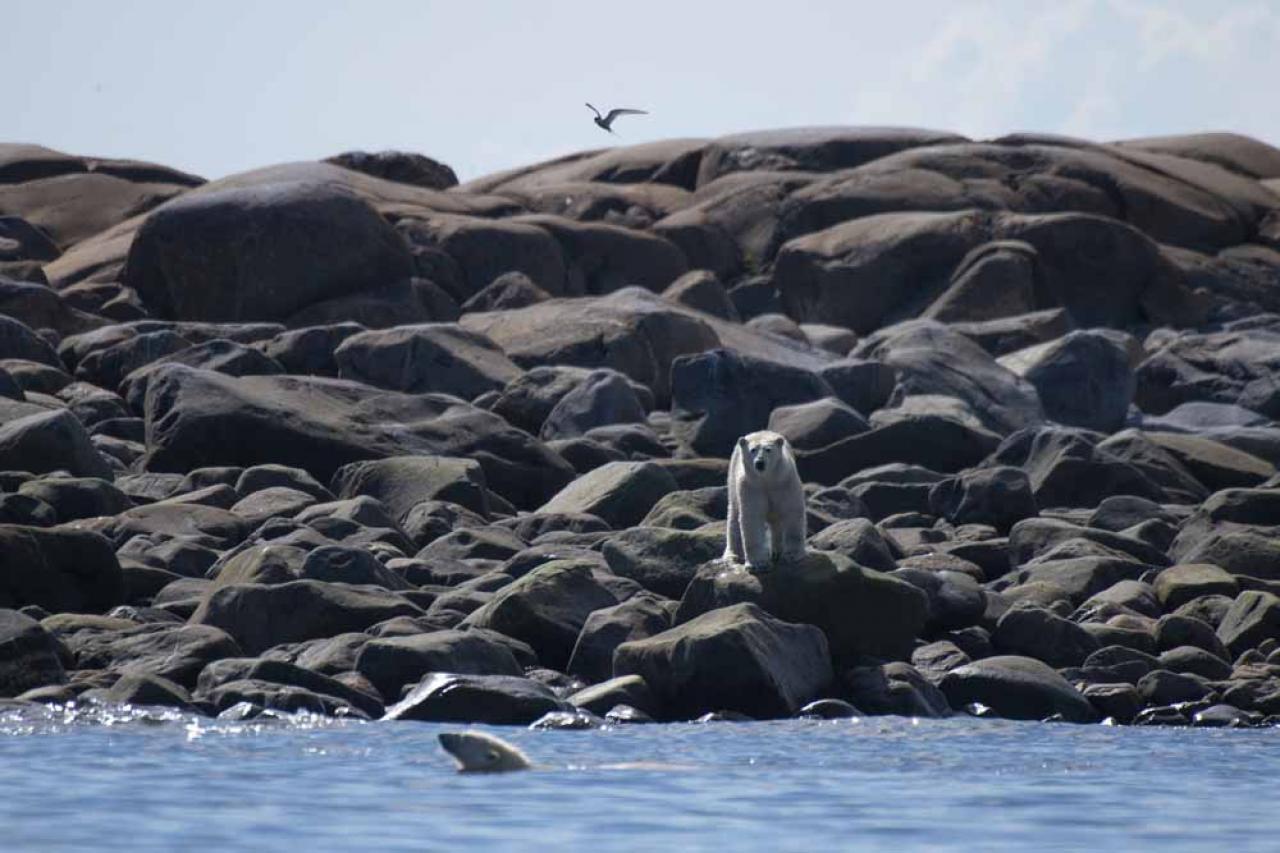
<point>766,502</point>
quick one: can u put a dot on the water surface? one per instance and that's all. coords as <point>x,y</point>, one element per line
<point>115,781</point>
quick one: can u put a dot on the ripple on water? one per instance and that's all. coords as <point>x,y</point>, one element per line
<point>100,777</point>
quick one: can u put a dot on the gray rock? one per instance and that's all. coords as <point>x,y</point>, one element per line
<point>45,441</point>
<point>261,252</point>
<point>434,357</point>
<point>737,658</point>
<point>320,425</point>
<point>228,670</point>
<point>702,291</point>
<point>895,688</point>
<point>62,570</point>
<point>1121,702</point>
<point>546,608</point>
<point>621,493</point>
<point>862,612</point>
<point>661,560</point>
<point>1177,629</point>
<point>860,541</point>
<point>1195,661</point>
<point>175,652</point>
<point>299,610</point>
<point>309,351</point>
<point>1018,688</point>
<point>630,690</point>
<point>1038,633</point>
<point>394,662</point>
<point>722,394</point>
<point>604,397</point>
<point>818,423</point>
<point>930,359</point>
<point>864,384</point>
<point>1254,616</point>
<point>999,496</point>
<point>642,615</point>
<point>403,482</point>
<point>1084,379</point>
<point>30,657</point>
<point>1161,687</point>
<point>1180,584</point>
<point>493,699</point>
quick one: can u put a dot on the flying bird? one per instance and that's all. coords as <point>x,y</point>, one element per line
<point>606,122</point>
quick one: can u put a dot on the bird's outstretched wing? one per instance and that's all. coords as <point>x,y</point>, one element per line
<point>594,110</point>
<point>621,112</point>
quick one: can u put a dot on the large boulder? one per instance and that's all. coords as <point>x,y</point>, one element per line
<point>197,418</point>
<point>261,252</point>
<point>176,652</point>
<point>935,441</point>
<point>260,616</point>
<point>403,482</point>
<point>271,671</point>
<point>44,441</point>
<point>1254,616</point>
<point>19,341</point>
<point>546,608</point>
<point>1000,496</point>
<point>932,359</point>
<point>862,612</point>
<point>895,688</point>
<point>621,493</point>
<point>100,258</point>
<point>466,254</point>
<point>1106,273</point>
<point>1238,367</point>
<point>1043,635</point>
<point>419,359</point>
<point>602,258</point>
<point>392,662</point>
<point>528,400</point>
<point>77,497</point>
<point>502,700</point>
<point>818,423</point>
<point>71,198</point>
<point>661,560</point>
<point>59,569</point>
<point>737,658</point>
<point>1084,379</point>
<point>720,395</point>
<point>405,167</point>
<point>29,655</point>
<point>1071,579</point>
<point>229,357</point>
<point>603,398</point>
<point>1018,688</point>
<point>633,331</point>
<point>1179,584</point>
<point>642,615</point>
<point>1070,468</point>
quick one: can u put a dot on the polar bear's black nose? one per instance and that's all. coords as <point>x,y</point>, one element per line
<point>759,464</point>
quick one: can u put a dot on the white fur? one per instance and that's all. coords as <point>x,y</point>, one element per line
<point>766,507</point>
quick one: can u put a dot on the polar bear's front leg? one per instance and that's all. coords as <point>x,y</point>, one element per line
<point>733,551</point>
<point>754,527</point>
<point>790,538</point>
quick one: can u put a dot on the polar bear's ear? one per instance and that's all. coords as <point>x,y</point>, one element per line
<point>743,444</point>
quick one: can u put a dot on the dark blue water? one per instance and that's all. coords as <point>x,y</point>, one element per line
<point>116,782</point>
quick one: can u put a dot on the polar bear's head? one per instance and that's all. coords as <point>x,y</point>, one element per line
<point>762,452</point>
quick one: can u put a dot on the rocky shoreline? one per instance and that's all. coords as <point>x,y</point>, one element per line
<point>348,437</point>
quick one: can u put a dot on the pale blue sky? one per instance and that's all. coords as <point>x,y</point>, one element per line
<point>221,87</point>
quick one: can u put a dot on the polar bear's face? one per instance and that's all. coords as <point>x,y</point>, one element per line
<point>761,451</point>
